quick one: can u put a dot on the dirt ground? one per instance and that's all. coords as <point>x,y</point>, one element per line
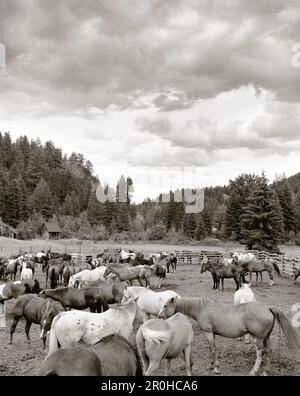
<point>236,357</point>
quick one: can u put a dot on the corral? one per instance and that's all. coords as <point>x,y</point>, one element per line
<point>236,357</point>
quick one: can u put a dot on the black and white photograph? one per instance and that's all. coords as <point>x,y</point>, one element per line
<point>149,190</point>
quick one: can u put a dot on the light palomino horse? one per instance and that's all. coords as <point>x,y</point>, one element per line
<point>127,255</point>
<point>69,328</point>
<point>242,296</point>
<point>165,339</point>
<point>139,273</point>
<point>234,321</point>
<point>149,302</point>
<point>87,276</point>
<point>26,273</point>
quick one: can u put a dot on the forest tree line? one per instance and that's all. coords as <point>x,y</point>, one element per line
<point>39,182</point>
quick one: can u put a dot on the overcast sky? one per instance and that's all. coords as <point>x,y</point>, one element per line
<point>172,93</point>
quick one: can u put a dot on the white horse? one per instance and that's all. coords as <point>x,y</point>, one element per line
<point>127,255</point>
<point>149,302</point>
<point>69,328</point>
<point>242,296</point>
<point>165,339</point>
<point>26,273</point>
<point>87,276</point>
<point>243,258</point>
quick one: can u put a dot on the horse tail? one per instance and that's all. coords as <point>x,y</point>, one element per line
<point>53,278</point>
<point>154,336</point>
<point>53,341</point>
<point>276,268</point>
<point>51,373</point>
<point>293,340</point>
<point>140,343</point>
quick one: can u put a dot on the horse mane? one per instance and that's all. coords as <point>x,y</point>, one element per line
<point>191,306</point>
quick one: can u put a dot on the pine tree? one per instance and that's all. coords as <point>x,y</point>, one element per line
<point>207,221</point>
<point>67,207</point>
<point>41,200</point>
<point>287,204</point>
<point>239,191</point>
<point>200,230</point>
<point>262,221</point>
<point>189,225</point>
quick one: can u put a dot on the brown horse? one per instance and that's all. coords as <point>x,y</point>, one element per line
<point>92,298</point>
<point>35,310</point>
<point>17,289</point>
<point>215,318</point>
<point>222,271</point>
<point>112,288</point>
<point>54,272</point>
<point>297,273</point>
<point>259,266</point>
<point>112,356</point>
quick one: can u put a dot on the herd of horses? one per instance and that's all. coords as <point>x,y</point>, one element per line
<point>117,290</point>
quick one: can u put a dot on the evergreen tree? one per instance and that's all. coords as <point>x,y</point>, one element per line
<point>287,204</point>
<point>207,221</point>
<point>262,221</point>
<point>41,200</point>
<point>189,225</point>
<point>200,230</point>
<point>239,191</point>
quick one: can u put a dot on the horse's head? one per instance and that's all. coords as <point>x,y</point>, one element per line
<point>205,267</point>
<point>108,271</point>
<point>168,309</point>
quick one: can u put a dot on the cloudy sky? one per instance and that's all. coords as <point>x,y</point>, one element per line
<point>173,93</point>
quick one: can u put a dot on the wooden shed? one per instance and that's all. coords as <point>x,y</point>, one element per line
<point>7,231</point>
<point>51,230</point>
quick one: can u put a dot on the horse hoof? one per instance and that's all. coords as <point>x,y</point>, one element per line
<point>217,371</point>
<point>264,374</point>
<point>251,374</point>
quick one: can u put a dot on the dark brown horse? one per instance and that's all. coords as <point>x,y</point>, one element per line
<point>91,297</point>
<point>297,273</point>
<point>222,271</point>
<point>35,310</point>
<point>112,356</point>
<point>54,272</point>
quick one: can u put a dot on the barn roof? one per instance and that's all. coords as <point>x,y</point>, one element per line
<point>52,226</point>
<point>8,227</point>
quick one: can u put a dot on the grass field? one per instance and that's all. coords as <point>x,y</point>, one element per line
<point>236,358</point>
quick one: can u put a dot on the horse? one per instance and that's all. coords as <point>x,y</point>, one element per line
<point>149,302</point>
<point>127,256</point>
<point>68,271</point>
<point>222,271</point>
<point>112,356</point>
<point>159,269</point>
<point>91,298</point>
<point>171,261</point>
<point>11,268</point>
<point>2,269</point>
<point>165,339</point>
<point>259,266</point>
<point>26,272</point>
<point>112,288</point>
<point>87,276</point>
<point>105,256</point>
<point>233,321</point>
<point>69,328</point>
<point>18,288</point>
<point>207,267</point>
<point>63,256</point>
<point>242,296</point>
<point>54,272</point>
<point>297,273</point>
<point>35,310</point>
<point>139,273</point>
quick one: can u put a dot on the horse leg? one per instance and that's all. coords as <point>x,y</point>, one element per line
<point>222,280</point>
<point>27,329</point>
<point>187,358</point>
<point>210,338</point>
<point>268,352</point>
<point>259,345</point>
<point>13,328</point>
<point>271,282</point>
